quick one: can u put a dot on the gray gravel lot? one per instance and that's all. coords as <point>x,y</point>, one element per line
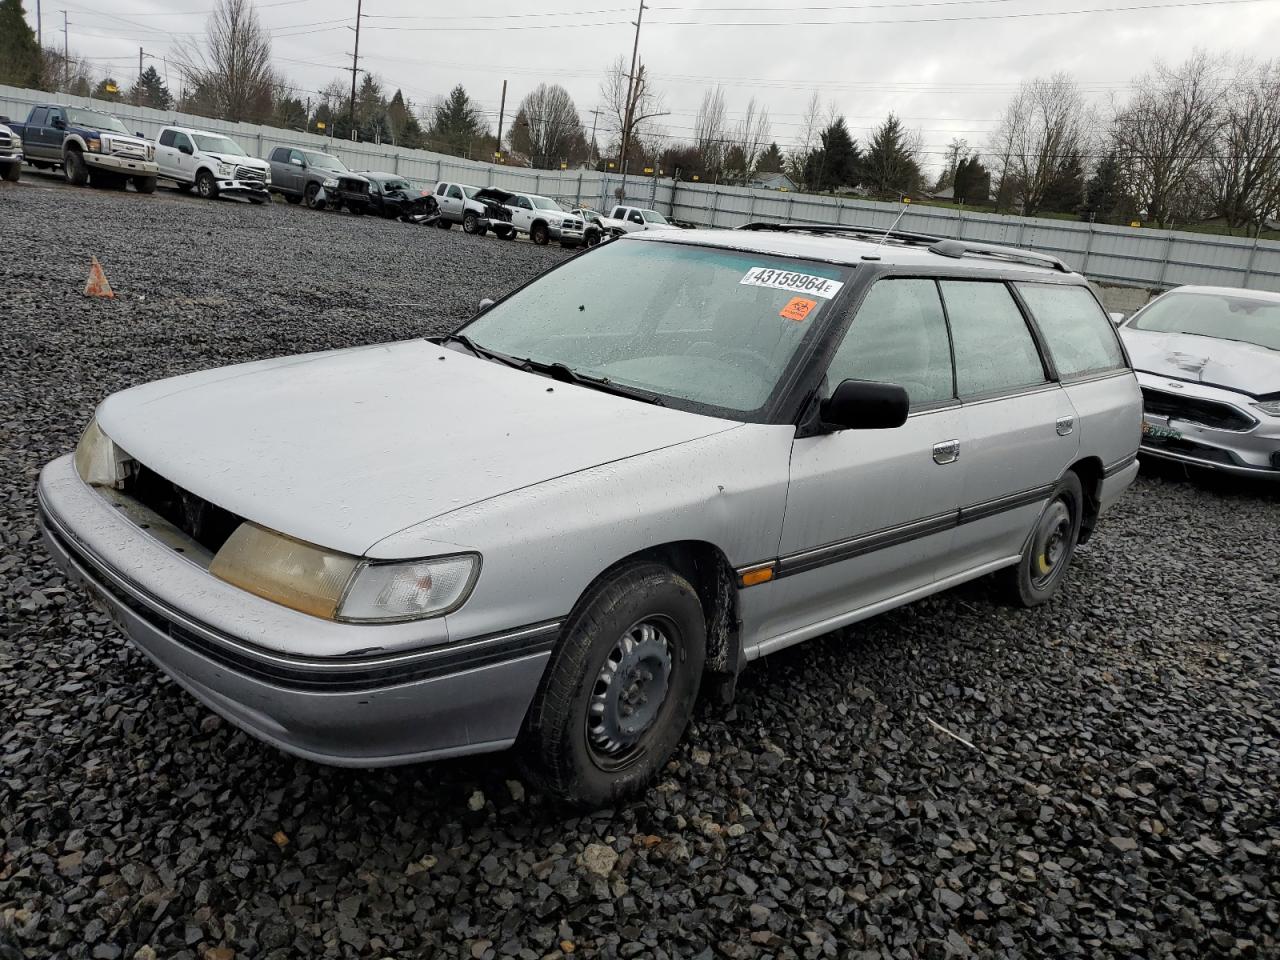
<point>1118,794</point>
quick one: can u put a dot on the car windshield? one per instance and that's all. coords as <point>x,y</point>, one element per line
<point>702,326</point>
<point>652,216</point>
<point>325,162</point>
<point>390,186</point>
<point>1221,315</point>
<point>210,144</point>
<point>543,203</point>
<point>589,215</point>
<point>94,120</point>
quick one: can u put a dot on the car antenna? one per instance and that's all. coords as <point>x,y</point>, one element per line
<point>906,205</point>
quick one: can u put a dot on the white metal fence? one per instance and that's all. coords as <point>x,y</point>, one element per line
<point>1154,259</point>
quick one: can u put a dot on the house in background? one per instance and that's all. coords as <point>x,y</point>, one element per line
<point>773,181</point>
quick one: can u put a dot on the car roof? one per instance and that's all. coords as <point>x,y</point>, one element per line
<point>1265,296</point>
<point>847,248</point>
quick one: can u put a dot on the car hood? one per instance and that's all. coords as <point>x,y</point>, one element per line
<point>240,161</point>
<point>346,448</point>
<point>1245,367</point>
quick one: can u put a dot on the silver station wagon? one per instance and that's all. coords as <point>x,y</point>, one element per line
<point>607,492</point>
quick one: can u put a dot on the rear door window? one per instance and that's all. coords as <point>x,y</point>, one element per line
<point>899,336</point>
<point>994,349</point>
<point>1080,337</point>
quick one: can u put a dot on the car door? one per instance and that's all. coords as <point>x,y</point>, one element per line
<point>51,134</point>
<point>297,171</point>
<point>870,511</point>
<point>165,151</point>
<point>1019,424</point>
<point>635,221</point>
<point>521,213</point>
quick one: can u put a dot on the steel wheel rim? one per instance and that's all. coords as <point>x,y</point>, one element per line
<point>630,691</point>
<point>1050,546</point>
<point>205,185</point>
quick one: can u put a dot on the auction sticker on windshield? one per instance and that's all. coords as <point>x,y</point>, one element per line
<point>795,282</point>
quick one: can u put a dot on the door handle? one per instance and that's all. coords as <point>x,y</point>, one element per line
<point>948,451</point>
<point>1066,425</point>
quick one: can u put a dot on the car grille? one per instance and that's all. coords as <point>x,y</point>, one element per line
<point>5,140</point>
<point>206,523</point>
<point>572,225</point>
<point>1206,413</point>
<point>128,150</point>
<point>349,185</point>
<point>250,173</point>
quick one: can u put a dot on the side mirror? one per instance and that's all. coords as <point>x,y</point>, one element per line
<point>866,405</point>
<point>298,162</point>
<point>1116,318</point>
<point>184,148</point>
<point>139,134</point>
<point>59,123</point>
<point>485,304</point>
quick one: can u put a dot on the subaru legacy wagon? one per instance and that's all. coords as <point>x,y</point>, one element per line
<point>608,491</point>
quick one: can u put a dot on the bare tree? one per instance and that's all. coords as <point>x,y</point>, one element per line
<point>646,105</point>
<point>1043,127</point>
<point>1164,134</point>
<point>710,130</point>
<point>1245,160</point>
<point>547,128</point>
<point>748,142</point>
<point>231,69</point>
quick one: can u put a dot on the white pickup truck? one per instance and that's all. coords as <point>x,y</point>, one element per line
<point>212,163</point>
<point>634,219</point>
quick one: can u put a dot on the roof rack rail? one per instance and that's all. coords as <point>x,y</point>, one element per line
<point>960,248</point>
<point>904,235</point>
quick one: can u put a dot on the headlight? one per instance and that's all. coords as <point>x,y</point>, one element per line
<point>338,586</point>
<point>330,184</point>
<point>17,142</point>
<point>99,461</point>
<point>93,145</point>
<point>1270,407</point>
<point>225,170</point>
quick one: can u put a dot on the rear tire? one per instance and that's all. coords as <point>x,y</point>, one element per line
<point>13,172</point>
<point>144,184</point>
<point>74,168</point>
<point>183,186</point>
<point>619,689</point>
<point>1040,572</point>
<point>206,186</point>
<point>506,233</point>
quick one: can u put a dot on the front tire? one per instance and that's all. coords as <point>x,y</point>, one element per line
<point>206,186</point>
<point>619,689</point>
<point>311,194</point>
<point>470,223</point>
<point>1043,566</point>
<point>74,168</point>
<point>539,234</point>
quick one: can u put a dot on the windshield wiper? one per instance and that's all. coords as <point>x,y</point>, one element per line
<point>484,352</point>
<point>565,374</point>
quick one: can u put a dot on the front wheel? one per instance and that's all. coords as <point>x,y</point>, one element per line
<point>75,169</point>
<point>312,195</point>
<point>470,223</point>
<point>1043,566</point>
<point>206,186</point>
<point>539,234</point>
<point>619,689</point>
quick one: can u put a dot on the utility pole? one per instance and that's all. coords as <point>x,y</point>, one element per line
<point>39,28</point>
<point>595,118</point>
<point>66,55</point>
<point>502,110</point>
<point>631,84</point>
<point>139,69</point>
<point>355,65</point>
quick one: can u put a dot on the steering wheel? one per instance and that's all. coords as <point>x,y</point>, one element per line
<point>761,364</point>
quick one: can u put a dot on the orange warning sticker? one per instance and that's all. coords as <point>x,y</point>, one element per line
<point>798,308</point>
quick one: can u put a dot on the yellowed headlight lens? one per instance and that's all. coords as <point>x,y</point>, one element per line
<point>289,572</point>
<point>98,460</point>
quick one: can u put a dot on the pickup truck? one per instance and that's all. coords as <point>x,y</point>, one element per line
<point>634,219</point>
<point>211,163</point>
<point>10,153</point>
<point>87,143</point>
<point>543,220</point>
<point>303,174</point>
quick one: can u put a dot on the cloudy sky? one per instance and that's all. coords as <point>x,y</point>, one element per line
<point>945,66</point>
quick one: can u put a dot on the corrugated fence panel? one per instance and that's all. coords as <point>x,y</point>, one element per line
<point>1147,258</point>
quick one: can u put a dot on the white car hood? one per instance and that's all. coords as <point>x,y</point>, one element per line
<point>1244,367</point>
<point>240,161</point>
<point>348,447</point>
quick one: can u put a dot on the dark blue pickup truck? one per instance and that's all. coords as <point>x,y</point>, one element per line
<point>87,143</point>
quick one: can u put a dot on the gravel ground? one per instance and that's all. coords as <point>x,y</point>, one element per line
<point>1108,785</point>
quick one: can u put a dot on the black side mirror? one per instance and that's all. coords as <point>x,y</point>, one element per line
<point>139,134</point>
<point>59,123</point>
<point>485,304</point>
<point>866,405</point>
<point>186,149</point>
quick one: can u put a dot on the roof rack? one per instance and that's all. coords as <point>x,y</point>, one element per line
<point>960,248</point>
<point>877,232</point>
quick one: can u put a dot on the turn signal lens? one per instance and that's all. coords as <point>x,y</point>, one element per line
<point>408,591</point>
<point>751,578</point>
<point>289,572</point>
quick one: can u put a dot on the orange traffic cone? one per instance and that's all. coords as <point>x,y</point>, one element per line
<point>97,285</point>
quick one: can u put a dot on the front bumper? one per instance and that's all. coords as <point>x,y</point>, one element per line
<point>117,164</point>
<point>343,694</point>
<point>1251,450</point>
<point>10,156</point>
<point>562,234</point>
<point>249,187</point>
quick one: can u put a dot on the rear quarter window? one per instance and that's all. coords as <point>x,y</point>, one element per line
<point>1080,337</point>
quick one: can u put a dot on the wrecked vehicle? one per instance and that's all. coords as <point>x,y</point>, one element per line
<point>662,459</point>
<point>477,209</point>
<point>393,197</point>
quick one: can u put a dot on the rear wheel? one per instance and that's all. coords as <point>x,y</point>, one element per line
<point>206,186</point>
<point>13,172</point>
<point>506,233</point>
<point>444,224</point>
<point>619,689</point>
<point>183,186</point>
<point>539,234</point>
<point>144,184</point>
<point>1043,566</point>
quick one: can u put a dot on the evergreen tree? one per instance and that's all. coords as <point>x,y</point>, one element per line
<point>972,181</point>
<point>1104,196</point>
<point>771,161</point>
<point>404,126</point>
<point>836,163</point>
<point>20,60</point>
<point>107,89</point>
<point>458,126</point>
<point>890,167</point>
<point>149,91</point>
<point>1065,192</point>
